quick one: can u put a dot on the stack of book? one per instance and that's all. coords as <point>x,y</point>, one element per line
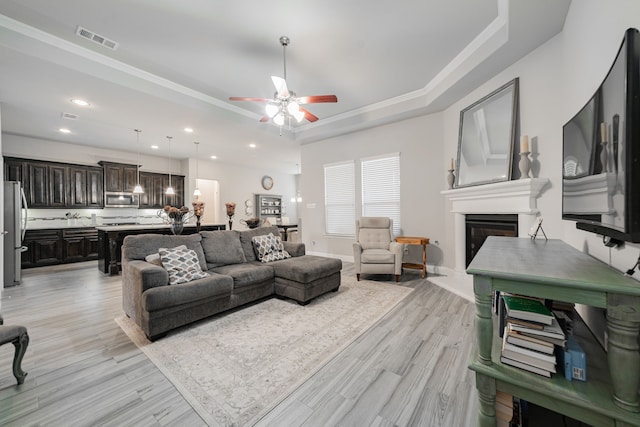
<point>530,335</point>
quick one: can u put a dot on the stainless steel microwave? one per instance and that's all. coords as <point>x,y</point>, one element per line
<point>120,200</point>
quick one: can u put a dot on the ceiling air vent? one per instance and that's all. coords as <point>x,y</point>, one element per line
<point>69,116</point>
<point>96,38</point>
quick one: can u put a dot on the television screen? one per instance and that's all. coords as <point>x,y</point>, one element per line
<point>599,144</point>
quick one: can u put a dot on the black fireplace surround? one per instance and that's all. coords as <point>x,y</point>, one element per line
<point>480,226</point>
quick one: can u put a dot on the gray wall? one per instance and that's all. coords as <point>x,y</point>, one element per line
<point>556,80</point>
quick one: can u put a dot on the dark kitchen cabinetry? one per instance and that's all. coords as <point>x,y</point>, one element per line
<point>44,247</point>
<point>59,246</point>
<point>155,185</point>
<point>80,244</point>
<point>86,187</point>
<point>57,185</point>
<point>119,177</point>
<point>47,185</point>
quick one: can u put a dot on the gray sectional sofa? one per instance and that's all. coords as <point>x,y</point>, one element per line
<point>236,277</point>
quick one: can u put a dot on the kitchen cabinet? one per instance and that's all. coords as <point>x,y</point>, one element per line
<point>80,244</point>
<point>119,177</point>
<point>59,246</point>
<point>57,185</point>
<point>154,186</point>
<point>44,247</point>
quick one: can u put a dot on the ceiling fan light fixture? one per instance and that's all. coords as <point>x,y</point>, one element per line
<point>293,107</point>
<point>272,110</point>
<point>299,116</point>
<point>279,119</point>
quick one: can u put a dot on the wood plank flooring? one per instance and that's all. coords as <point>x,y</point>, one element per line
<point>410,369</point>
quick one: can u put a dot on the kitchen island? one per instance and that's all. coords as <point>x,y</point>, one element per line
<point>110,240</point>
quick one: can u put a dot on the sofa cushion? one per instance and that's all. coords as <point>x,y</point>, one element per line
<point>246,274</point>
<point>269,248</point>
<point>213,286</point>
<point>141,245</point>
<point>246,241</point>
<point>377,256</point>
<point>222,248</point>
<point>307,268</point>
<point>182,264</point>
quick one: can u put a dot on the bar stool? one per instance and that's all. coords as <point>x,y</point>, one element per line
<point>16,335</point>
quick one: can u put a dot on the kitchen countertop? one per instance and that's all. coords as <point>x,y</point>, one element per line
<point>60,225</point>
<point>128,227</point>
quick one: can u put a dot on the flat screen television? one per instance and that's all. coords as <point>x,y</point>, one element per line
<point>601,152</point>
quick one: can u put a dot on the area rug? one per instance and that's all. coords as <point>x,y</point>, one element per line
<point>233,367</point>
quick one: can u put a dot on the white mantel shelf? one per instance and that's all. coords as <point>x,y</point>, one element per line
<point>508,197</point>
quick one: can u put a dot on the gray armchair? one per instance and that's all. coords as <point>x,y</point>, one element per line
<point>375,251</point>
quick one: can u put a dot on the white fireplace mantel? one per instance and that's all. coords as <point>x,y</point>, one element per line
<point>508,197</point>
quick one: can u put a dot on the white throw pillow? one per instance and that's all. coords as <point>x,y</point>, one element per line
<point>182,264</point>
<point>269,248</point>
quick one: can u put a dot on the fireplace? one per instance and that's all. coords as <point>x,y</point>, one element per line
<point>480,226</point>
<point>516,197</point>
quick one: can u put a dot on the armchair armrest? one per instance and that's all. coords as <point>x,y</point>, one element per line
<point>396,249</point>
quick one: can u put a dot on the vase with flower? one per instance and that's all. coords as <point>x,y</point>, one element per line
<point>175,217</point>
<point>198,211</point>
<point>231,211</point>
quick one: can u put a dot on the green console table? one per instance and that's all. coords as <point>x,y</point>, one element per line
<point>555,270</point>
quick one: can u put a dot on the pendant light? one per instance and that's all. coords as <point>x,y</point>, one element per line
<point>170,191</point>
<point>196,192</point>
<point>138,188</point>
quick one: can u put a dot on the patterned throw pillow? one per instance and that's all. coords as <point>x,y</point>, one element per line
<point>182,264</point>
<point>269,248</point>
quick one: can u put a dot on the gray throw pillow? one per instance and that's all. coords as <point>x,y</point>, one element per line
<point>222,248</point>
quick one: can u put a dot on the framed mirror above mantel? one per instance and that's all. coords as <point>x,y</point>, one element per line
<point>487,136</point>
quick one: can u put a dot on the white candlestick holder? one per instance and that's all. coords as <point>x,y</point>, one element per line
<point>524,165</point>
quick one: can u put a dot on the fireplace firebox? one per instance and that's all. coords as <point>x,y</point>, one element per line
<point>480,226</point>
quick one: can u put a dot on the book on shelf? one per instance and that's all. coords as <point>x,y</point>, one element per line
<point>527,309</point>
<point>519,339</point>
<point>552,333</point>
<point>524,366</point>
<point>533,358</point>
<point>532,325</point>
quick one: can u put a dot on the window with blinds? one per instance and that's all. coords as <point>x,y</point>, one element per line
<point>340,199</point>
<point>381,188</point>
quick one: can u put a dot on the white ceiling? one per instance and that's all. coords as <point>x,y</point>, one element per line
<point>178,62</point>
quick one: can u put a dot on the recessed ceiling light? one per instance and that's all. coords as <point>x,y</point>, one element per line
<point>188,130</point>
<point>155,147</point>
<point>214,157</point>
<point>252,145</point>
<point>80,102</point>
<point>64,130</point>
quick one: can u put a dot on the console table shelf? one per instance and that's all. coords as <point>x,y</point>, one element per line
<point>555,270</point>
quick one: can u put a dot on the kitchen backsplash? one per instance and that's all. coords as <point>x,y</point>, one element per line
<point>53,218</point>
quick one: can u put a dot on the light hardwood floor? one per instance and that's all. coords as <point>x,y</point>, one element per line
<point>410,369</point>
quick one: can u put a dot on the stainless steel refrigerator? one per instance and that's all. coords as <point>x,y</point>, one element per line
<point>15,225</point>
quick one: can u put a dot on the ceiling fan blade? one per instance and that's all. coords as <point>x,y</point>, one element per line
<point>242,98</point>
<point>281,86</point>
<point>264,118</point>
<point>309,116</point>
<point>317,98</point>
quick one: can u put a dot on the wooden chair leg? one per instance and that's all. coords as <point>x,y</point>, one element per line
<point>21,343</point>
<point>358,276</point>
<point>397,277</point>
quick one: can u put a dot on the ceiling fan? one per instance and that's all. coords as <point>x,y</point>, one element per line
<point>285,103</point>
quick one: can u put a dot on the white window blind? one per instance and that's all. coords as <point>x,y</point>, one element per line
<point>339,199</point>
<point>381,188</point>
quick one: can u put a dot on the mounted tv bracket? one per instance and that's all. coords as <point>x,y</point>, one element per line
<point>610,242</point>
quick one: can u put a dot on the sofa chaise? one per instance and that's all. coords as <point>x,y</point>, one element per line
<point>234,275</point>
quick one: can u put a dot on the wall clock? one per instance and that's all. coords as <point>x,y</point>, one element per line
<point>267,182</point>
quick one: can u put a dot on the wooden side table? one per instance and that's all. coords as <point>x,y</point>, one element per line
<point>422,241</point>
